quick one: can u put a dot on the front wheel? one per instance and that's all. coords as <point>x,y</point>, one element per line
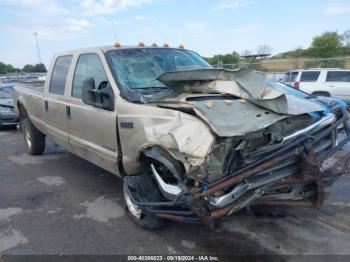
<point>144,188</point>
<point>34,140</point>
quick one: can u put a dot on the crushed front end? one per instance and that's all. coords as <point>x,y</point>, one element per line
<point>294,173</point>
<point>281,155</point>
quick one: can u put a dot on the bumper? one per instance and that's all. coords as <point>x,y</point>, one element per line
<point>294,173</point>
<point>8,119</point>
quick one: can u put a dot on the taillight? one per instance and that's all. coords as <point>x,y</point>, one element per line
<point>296,85</point>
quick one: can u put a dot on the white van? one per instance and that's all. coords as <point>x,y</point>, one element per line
<point>321,82</point>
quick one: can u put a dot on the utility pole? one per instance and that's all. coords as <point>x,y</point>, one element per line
<point>114,32</point>
<point>37,46</point>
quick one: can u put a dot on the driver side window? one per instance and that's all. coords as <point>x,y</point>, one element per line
<point>88,65</point>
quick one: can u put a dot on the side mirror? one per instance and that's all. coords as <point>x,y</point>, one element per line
<point>88,91</point>
<point>107,96</point>
<point>102,97</point>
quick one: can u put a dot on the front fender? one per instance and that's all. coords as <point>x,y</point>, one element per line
<point>144,126</point>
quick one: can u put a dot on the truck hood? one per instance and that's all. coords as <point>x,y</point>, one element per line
<point>227,117</point>
<point>232,103</point>
<point>242,83</point>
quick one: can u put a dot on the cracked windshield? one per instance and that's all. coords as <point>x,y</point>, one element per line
<point>138,69</point>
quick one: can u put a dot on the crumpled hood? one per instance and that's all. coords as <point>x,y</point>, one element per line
<point>226,117</point>
<point>6,102</point>
<point>246,84</point>
<point>230,118</point>
<point>252,106</point>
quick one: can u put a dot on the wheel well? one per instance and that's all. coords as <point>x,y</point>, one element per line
<point>22,111</point>
<point>321,93</point>
<point>162,156</point>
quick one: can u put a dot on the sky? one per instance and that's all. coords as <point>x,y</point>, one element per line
<point>206,26</point>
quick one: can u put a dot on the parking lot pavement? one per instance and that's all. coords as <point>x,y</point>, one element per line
<point>58,203</point>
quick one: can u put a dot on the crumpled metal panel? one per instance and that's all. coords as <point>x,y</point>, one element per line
<point>235,117</point>
<point>246,84</point>
<point>169,129</point>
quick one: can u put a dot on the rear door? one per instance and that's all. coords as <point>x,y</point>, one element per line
<point>55,101</point>
<point>338,84</point>
<point>309,81</point>
<point>92,131</point>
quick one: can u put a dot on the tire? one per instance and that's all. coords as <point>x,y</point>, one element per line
<point>144,187</point>
<point>34,140</point>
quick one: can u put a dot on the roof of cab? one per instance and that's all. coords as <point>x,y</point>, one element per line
<point>109,48</point>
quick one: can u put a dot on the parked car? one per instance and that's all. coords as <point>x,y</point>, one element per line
<point>8,117</point>
<point>321,82</point>
<point>191,142</point>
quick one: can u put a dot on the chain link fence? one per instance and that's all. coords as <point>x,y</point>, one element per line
<point>16,77</point>
<point>275,68</point>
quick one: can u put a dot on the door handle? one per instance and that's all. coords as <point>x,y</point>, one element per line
<point>68,112</point>
<point>46,106</point>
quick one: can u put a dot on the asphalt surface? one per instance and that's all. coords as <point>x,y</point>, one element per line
<point>60,204</point>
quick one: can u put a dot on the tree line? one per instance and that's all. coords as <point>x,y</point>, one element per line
<point>37,68</point>
<point>326,45</point>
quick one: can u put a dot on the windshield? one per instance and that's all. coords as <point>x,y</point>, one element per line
<point>139,68</point>
<point>6,92</point>
<point>286,88</point>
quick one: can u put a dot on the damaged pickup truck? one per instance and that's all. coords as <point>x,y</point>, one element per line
<point>191,142</point>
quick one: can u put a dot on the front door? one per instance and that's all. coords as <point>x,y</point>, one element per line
<point>92,131</point>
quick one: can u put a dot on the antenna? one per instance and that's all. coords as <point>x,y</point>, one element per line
<point>37,46</point>
<point>114,32</point>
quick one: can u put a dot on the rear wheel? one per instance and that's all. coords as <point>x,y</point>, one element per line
<point>34,140</point>
<point>143,187</point>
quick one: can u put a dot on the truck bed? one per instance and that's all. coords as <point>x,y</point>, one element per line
<point>31,96</point>
<point>37,86</point>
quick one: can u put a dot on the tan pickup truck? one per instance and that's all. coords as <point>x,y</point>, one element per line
<point>191,142</point>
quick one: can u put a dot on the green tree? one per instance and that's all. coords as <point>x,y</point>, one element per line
<point>327,45</point>
<point>224,59</point>
<point>6,68</point>
<point>39,68</point>
<point>28,68</point>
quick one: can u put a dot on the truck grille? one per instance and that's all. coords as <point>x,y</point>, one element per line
<point>316,145</point>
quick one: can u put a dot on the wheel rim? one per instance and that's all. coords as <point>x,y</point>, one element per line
<point>134,209</point>
<point>27,137</point>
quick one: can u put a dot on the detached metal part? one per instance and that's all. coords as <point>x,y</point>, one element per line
<point>169,191</point>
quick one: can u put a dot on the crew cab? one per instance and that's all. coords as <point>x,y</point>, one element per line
<point>191,142</point>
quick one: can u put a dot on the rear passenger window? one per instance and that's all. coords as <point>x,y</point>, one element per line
<point>290,77</point>
<point>59,75</point>
<point>309,76</point>
<point>338,76</point>
<point>88,65</point>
